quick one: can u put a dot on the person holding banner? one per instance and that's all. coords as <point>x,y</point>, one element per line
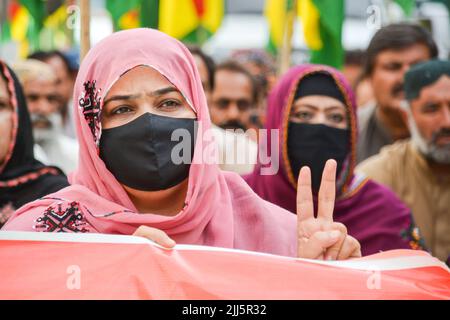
<point>314,108</point>
<point>134,90</point>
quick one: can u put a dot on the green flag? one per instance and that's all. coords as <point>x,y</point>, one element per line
<point>322,26</point>
<point>36,8</point>
<point>119,10</point>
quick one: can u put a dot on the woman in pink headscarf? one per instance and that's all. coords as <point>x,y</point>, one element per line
<point>135,90</point>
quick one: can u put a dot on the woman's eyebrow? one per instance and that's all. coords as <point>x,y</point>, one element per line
<point>331,108</point>
<point>155,93</point>
<point>305,105</point>
<point>121,97</point>
<point>162,91</point>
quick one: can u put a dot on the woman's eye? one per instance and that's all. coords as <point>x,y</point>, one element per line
<point>303,115</point>
<point>170,104</point>
<point>337,118</point>
<point>121,110</point>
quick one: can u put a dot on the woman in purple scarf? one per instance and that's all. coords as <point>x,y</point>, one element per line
<point>315,111</point>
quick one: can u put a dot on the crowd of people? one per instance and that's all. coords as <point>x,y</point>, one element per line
<point>151,138</point>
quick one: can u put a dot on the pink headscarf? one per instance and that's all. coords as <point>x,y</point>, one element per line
<point>221,210</point>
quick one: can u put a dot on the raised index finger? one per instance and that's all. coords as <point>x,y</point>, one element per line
<point>305,205</point>
<point>327,191</point>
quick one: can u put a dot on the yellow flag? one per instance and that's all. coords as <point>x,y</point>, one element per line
<point>177,18</point>
<point>19,27</point>
<point>310,18</point>
<point>276,13</point>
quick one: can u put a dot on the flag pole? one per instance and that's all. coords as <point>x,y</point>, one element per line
<point>85,42</point>
<point>286,49</point>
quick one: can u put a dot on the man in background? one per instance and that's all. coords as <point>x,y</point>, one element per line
<point>65,70</point>
<point>40,86</point>
<point>229,143</point>
<point>234,97</point>
<point>391,52</point>
<point>418,169</point>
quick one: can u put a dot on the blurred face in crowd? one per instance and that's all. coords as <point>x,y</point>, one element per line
<point>6,112</point>
<point>317,109</point>
<point>431,126</point>
<point>389,69</point>
<point>202,69</point>
<point>64,80</point>
<point>232,100</point>
<point>43,102</point>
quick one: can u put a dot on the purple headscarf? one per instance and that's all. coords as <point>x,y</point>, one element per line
<point>371,212</point>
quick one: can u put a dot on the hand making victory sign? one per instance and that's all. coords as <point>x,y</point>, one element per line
<point>321,238</point>
<point>318,238</point>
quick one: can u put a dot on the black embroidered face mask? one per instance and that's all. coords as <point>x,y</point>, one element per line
<point>150,153</point>
<point>312,145</point>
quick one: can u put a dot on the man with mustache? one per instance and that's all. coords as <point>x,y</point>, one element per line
<point>391,52</point>
<point>234,96</point>
<point>418,169</point>
<point>65,70</point>
<point>234,99</point>
<point>236,151</point>
<point>41,93</point>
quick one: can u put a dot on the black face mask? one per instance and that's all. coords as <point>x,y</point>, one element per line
<point>312,145</point>
<point>139,153</point>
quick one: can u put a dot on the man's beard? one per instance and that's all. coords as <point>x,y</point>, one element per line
<point>430,149</point>
<point>53,127</point>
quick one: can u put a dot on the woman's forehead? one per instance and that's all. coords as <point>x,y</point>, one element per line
<point>143,78</point>
<point>140,78</point>
<point>319,102</point>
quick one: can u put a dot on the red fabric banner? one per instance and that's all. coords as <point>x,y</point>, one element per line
<point>93,266</point>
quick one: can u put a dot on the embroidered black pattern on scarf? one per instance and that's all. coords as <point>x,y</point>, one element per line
<point>90,105</point>
<point>62,218</point>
